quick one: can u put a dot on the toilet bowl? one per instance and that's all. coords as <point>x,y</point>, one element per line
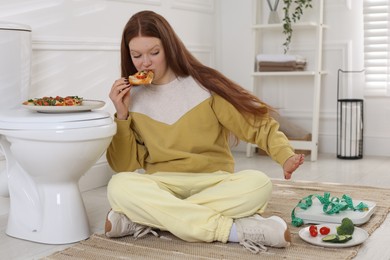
<point>46,155</point>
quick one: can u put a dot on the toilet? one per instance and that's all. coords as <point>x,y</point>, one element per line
<point>45,153</point>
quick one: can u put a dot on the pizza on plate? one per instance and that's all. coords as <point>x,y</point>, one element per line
<point>55,101</point>
<point>142,77</point>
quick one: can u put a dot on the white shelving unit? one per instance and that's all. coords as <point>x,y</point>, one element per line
<point>314,27</point>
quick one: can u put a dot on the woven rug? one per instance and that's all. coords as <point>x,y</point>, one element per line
<point>285,197</point>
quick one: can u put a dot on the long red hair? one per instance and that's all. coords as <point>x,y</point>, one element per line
<point>183,63</point>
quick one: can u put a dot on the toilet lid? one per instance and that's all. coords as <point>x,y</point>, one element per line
<point>22,119</point>
<point>14,26</point>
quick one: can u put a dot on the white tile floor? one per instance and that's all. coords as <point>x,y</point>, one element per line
<point>371,171</point>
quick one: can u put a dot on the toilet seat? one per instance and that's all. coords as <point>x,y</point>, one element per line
<point>22,119</point>
<point>46,155</point>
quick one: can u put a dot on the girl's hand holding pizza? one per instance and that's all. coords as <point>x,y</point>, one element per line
<point>120,96</point>
<point>120,91</point>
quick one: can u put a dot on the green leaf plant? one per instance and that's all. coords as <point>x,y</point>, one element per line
<point>293,10</point>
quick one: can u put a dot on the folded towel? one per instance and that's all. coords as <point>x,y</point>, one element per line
<point>278,64</point>
<point>279,58</point>
<point>281,66</point>
<point>275,68</point>
<point>300,59</point>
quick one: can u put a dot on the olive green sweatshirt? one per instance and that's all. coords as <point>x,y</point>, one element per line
<point>181,127</point>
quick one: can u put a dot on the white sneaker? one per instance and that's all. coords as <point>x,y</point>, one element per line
<point>118,225</point>
<point>256,232</point>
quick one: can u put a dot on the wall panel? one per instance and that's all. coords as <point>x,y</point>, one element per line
<point>76,45</point>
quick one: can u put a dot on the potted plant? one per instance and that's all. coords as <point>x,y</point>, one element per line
<point>273,15</point>
<point>293,10</point>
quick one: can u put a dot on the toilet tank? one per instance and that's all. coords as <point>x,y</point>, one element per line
<point>15,64</point>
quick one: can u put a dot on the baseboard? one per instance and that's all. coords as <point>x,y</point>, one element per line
<point>372,146</point>
<point>241,147</point>
<point>4,206</point>
<point>376,146</point>
<point>97,176</point>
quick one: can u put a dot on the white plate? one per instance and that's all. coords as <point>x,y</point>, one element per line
<point>87,105</point>
<point>358,236</point>
<point>316,215</point>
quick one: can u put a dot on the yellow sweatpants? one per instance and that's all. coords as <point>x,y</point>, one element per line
<point>193,206</point>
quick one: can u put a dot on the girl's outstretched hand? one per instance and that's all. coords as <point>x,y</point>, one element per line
<point>292,164</point>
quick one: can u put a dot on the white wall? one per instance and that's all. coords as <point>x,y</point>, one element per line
<point>76,43</point>
<point>76,51</point>
<point>76,46</point>
<point>343,49</point>
<point>234,47</point>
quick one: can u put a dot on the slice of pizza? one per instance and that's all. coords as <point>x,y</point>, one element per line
<point>143,77</point>
<point>72,101</point>
<point>55,101</point>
